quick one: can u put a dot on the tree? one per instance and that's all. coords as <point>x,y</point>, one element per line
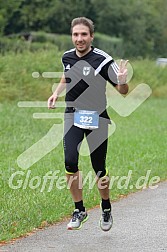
<point>62,12</point>
<point>7,8</point>
<point>51,16</point>
<point>141,24</point>
<point>30,15</point>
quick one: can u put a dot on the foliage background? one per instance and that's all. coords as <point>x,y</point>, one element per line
<point>141,24</point>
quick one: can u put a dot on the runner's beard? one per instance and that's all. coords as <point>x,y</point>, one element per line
<point>82,49</point>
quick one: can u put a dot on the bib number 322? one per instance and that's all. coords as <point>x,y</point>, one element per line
<point>86,119</point>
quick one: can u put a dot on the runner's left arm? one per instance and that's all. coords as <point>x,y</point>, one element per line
<point>116,75</point>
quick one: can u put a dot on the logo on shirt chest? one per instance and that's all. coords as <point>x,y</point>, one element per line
<point>86,70</point>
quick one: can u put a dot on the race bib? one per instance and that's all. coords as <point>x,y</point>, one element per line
<point>86,119</point>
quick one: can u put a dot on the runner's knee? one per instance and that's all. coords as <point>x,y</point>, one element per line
<point>101,173</point>
<point>71,167</point>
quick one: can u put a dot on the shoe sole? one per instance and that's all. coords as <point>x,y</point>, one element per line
<point>84,220</point>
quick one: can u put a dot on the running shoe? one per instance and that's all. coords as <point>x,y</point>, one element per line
<point>78,217</point>
<point>106,220</point>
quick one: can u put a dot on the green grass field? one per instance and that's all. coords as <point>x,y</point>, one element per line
<point>138,145</point>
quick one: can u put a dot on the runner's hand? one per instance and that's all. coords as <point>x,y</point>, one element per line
<point>123,72</point>
<point>51,101</point>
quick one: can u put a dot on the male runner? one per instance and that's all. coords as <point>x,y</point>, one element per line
<point>86,71</point>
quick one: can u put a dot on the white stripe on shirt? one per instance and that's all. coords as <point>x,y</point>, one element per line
<point>71,50</point>
<point>115,67</point>
<point>98,51</point>
<point>103,63</point>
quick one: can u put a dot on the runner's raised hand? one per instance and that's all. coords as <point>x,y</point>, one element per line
<point>123,72</point>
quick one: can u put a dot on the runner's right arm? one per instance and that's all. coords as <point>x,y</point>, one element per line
<point>53,98</point>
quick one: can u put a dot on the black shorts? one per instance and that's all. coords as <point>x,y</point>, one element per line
<point>97,140</point>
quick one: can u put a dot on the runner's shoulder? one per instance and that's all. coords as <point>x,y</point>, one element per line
<point>69,52</point>
<point>100,53</point>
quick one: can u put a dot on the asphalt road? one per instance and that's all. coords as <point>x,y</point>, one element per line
<point>140,225</point>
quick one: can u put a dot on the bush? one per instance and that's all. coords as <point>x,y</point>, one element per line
<point>41,40</point>
<point>111,45</point>
<point>18,44</point>
<point>8,44</point>
<point>62,41</point>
